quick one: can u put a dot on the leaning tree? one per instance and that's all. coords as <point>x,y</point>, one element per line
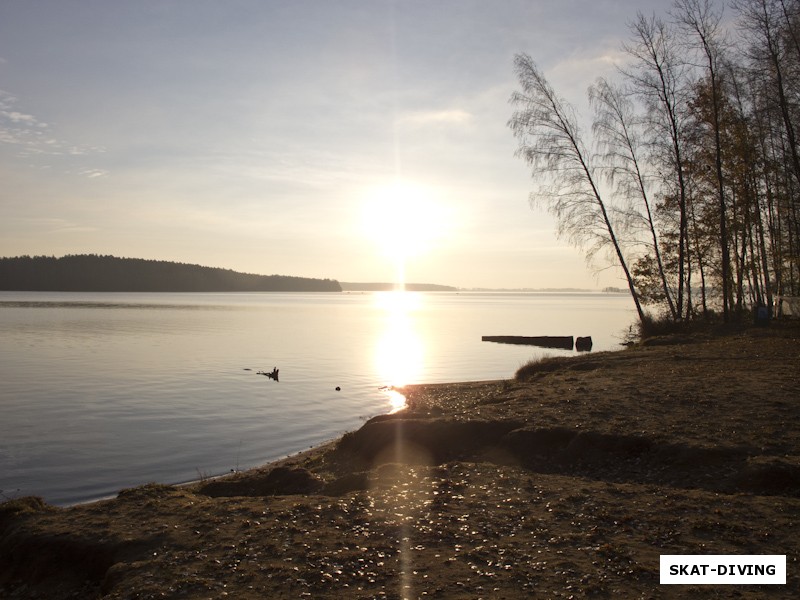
<point>550,142</point>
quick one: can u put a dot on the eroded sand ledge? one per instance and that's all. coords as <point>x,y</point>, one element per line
<point>571,482</point>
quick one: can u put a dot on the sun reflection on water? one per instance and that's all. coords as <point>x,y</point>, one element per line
<point>400,360</point>
<point>399,353</point>
<point>397,401</point>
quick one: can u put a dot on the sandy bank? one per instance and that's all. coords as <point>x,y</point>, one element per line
<point>569,483</point>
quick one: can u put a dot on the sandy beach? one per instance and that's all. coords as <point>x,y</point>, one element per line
<point>568,481</point>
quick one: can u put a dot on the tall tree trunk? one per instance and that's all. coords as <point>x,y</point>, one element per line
<point>612,126</point>
<point>698,17</point>
<point>658,81</point>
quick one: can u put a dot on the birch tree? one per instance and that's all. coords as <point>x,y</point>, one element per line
<point>617,137</point>
<point>702,23</point>
<point>657,75</point>
<point>550,142</point>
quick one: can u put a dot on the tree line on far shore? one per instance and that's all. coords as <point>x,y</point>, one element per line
<point>691,181</point>
<point>94,273</point>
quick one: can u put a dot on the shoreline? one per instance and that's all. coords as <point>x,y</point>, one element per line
<point>570,482</point>
<point>282,461</point>
<point>300,456</point>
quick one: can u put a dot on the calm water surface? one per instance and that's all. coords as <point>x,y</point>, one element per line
<point>104,391</point>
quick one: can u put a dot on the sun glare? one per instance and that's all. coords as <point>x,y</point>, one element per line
<point>398,304</point>
<point>399,353</point>
<point>404,220</point>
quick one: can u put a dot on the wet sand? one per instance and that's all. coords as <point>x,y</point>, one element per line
<point>569,482</point>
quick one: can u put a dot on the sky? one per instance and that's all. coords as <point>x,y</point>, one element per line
<point>358,140</point>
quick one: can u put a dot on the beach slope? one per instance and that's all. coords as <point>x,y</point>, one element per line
<point>567,481</point>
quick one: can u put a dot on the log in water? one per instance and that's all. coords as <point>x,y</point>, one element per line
<point>542,341</point>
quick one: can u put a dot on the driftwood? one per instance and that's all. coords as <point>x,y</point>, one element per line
<point>272,375</point>
<point>542,341</point>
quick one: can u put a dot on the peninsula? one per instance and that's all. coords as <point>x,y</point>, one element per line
<point>95,273</point>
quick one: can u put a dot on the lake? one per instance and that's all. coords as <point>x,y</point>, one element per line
<point>101,391</point>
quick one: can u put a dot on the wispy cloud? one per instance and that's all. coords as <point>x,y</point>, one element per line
<point>453,116</point>
<point>31,135</point>
<point>48,225</point>
<point>17,127</point>
<point>18,117</point>
<point>583,67</point>
<point>93,173</point>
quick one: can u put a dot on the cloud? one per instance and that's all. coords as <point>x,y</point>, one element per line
<point>46,225</point>
<point>17,127</point>
<point>437,117</point>
<point>31,135</point>
<point>580,69</point>
<point>604,59</point>
<point>18,117</point>
<point>93,173</point>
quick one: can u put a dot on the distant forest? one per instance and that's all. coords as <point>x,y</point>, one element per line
<point>94,273</point>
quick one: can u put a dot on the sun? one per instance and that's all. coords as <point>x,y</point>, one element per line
<point>404,220</point>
